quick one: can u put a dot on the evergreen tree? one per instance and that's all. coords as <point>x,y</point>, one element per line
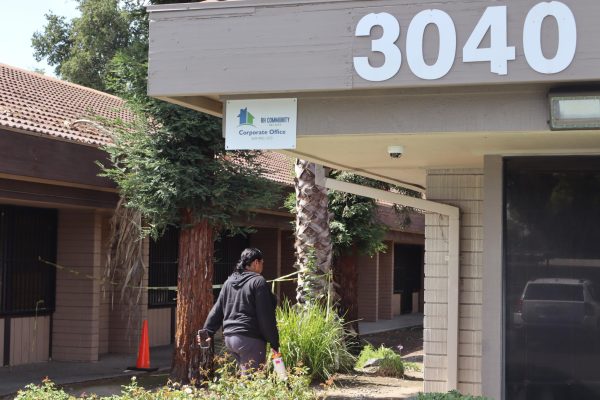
<point>169,164</point>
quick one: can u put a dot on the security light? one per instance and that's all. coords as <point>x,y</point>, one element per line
<point>570,111</point>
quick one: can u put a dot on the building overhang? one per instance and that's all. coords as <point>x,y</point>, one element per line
<point>202,54</point>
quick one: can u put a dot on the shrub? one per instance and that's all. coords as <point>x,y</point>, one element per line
<point>261,385</point>
<point>390,365</point>
<point>313,336</point>
<point>46,391</point>
<point>452,395</point>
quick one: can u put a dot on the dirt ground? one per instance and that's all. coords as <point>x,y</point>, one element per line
<point>365,386</point>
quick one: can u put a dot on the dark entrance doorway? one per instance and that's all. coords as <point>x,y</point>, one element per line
<point>408,274</point>
<point>551,275</point>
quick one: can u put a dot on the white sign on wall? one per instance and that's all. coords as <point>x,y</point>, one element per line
<point>263,124</point>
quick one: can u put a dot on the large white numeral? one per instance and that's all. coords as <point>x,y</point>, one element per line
<point>414,44</point>
<point>498,54</point>
<point>385,45</point>
<point>567,37</point>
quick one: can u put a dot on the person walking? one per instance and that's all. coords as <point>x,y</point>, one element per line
<point>246,310</point>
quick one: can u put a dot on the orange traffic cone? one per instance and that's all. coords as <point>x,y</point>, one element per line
<point>143,358</point>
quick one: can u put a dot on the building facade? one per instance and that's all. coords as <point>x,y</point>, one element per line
<point>55,300</point>
<point>494,106</point>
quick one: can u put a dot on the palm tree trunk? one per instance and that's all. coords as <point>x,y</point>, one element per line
<point>194,299</point>
<point>313,240</point>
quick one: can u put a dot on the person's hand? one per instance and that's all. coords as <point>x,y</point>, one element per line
<point>199,340</point>
<point>203,338</point>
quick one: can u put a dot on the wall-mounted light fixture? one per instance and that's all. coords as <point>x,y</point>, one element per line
<point>570,111</point>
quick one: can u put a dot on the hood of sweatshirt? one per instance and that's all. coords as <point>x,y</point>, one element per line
<point>239,279</point>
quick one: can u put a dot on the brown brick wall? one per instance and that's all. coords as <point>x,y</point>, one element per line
<point>76,321</point>
<point>105,290</point>
<point>125,320</point>
<point>386,282</point>
<point>368,287</point>
<point>287,290</point>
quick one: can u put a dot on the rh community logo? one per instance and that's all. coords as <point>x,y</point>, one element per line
<point>246,118</point>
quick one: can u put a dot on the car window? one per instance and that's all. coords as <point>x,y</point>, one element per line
<point>554,291</point>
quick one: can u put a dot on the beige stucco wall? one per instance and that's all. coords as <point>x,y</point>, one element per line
<point>464,189</point>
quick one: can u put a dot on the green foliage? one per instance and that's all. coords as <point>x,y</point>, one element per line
<point>313,336</point>
<point>261,385</point>
<point>354,221</point>
<point>175,160</point>
<point>390,365</point>
<point>46,391</point>
<point>170,158</point>
<point>81,49</point>
<point>452,395</point>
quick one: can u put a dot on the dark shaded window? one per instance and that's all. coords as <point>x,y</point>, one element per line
<point>162,271</point>
<point>28,239</point>
<point>551,266</point>
<point>227,254</point>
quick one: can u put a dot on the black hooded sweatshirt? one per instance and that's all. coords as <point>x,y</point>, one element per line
<point>245,307</point>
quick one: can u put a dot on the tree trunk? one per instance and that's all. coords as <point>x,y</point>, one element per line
<point>194,299</point>
<point>313,239</point>
<point>346,279</point>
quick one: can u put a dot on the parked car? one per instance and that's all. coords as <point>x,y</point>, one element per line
<point>558,302</point>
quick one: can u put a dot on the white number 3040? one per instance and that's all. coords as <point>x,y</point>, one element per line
<point>493,20</point>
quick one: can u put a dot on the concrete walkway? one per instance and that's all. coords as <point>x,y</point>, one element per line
<point>383,325</point>
<point>109,366</point>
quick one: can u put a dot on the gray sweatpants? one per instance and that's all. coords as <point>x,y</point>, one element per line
<point>248,352</point>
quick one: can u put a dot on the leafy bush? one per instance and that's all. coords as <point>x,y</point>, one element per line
<point>46,391</point>
<point>261,385</point>
<point>390,365</point>
<point>452,395</point>
<point>313,336</point>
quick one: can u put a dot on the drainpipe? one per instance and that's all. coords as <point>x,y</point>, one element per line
<point>453,252</point>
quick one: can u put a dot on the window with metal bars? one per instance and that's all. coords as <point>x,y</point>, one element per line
<point>28,240</point>
<point>162,272</point>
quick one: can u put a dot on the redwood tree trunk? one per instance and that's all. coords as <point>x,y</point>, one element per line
<point>194,299</point>
<point>346,278</point>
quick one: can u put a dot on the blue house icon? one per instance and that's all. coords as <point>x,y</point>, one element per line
<point>245,117</point>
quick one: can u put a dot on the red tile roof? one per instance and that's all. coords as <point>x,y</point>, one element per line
<point>278,167</point>
<point>47,106</point>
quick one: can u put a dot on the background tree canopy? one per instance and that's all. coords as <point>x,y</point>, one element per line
<point>171,157</point>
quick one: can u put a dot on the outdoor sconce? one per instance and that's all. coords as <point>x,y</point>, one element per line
<point>570,111</point>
